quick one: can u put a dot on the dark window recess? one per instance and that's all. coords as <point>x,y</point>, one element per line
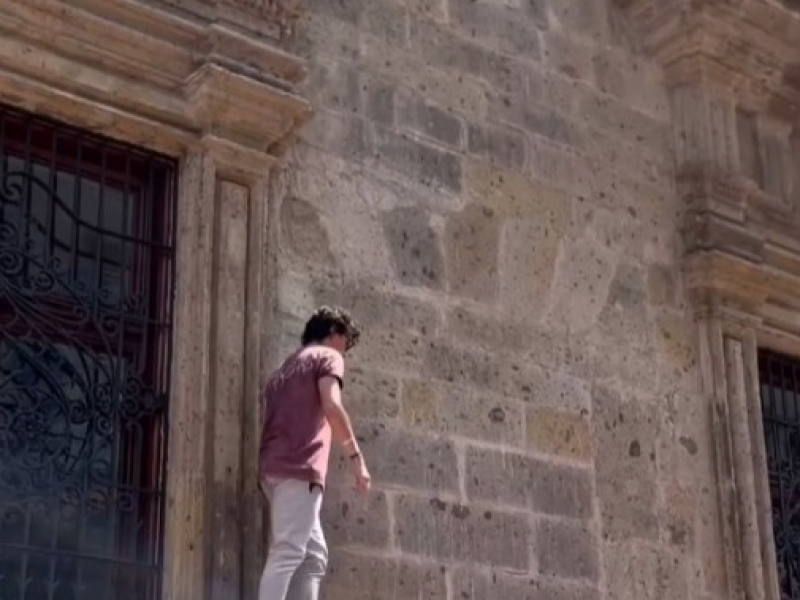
<point>86,275</point>
<point>780,401</point>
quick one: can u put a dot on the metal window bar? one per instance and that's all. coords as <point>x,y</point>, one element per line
<point>780,401</point>
<point>87,265</point>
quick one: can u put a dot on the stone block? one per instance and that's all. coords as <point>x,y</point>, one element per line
<point>342,10</point>
<point>664,286</point>
<point>562,434</point>
<point>560,166</point>
<point>679,513</point>
<point>347,136</point>
<point>444,87</point>
<point>505,28</point>
<point>372,394</point>
<point>490,331</point>
<point>303,232</point>
<point>625,320</point>
<point>419,115</point>
<point>567,549</point>
<point>512,194</point>
<point>377,99</point>
<point>394,351</point>
<point>626,435</point>
<point>415,159</point>
<point>453,364</point>
<point>569,56</point>
<point>644,572</point>
<point>528,483</point>
<point>626,369</point>
<point>475,584</point>
<point>445,48</point>
<point>446,531</point>
<point>320,34</point>
<point>530,249</point>
<point>401,457</point>
<point>415,247</point>
<point>380,308</point>
<point>632,79</point>
<point>612,116</point>
<point>547,387</point>
<point>584,271</point>
<point>499,144</point>
<point>333,85</point>
<point>676,343</point>
<point>432,9</point>
<point>586,18</point>
<point>385,19</point>
<point>455,409</point>
<point>357,576</point>
<point>472,245</point>
<point>348,518</point>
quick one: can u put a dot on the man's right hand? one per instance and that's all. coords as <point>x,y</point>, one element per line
<point>363,481</point>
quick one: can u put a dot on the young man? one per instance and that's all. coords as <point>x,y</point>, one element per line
<point>303,410</point>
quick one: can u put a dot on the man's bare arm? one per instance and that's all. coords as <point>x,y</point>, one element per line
<point>331,395</point>
<point>341,427</point>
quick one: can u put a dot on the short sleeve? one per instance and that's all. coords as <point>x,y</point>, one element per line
<point>331,364</point>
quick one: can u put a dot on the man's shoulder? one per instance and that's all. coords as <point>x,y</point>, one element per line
<point>320,352</point>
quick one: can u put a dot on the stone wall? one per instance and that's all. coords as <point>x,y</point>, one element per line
<point>489,186</point>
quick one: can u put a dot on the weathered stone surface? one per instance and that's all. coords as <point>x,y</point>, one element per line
<point>421,116</point>
<point>444,87</point>
<point>379,308</point>
<point>350,519</point>
<point>643,572</point>
<point>371,394</point>
<point>416,247</point>
<point>548,387</point>
<point>471,584</point>
<point>445,48</point>
<point>304,233</point>
<point>568,56</point>
<point>401,457</point>
<point>567,549</point>
<point>447,531</point>
<point>345,135</point>
<point>626,434</point>
<point>460,410</point>
<point>567,435</point>
<point>472,245</point>
<point>361,576</point>
<point>522,482</point>
<point>500,145</point>
<point>624,319</point>
<point>506,28</point>
<point>582,17</point>
<point>430,165</point>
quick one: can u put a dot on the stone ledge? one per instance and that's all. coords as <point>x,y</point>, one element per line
<point>153,76</point>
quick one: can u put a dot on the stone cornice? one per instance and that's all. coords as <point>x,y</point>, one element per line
<point>165,74</point>
<point>750,48</point>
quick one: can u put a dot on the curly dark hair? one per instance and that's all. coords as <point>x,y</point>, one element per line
<point>328,320</point>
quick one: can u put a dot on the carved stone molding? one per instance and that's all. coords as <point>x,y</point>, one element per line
<point>154,75</point>
<point>750,48</point>
<point>732,67</point>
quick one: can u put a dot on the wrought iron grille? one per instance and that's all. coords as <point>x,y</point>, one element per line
<point>86,275</point>
<point>780,401</point>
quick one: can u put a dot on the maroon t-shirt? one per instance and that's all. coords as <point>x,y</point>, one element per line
<point>295,436</point>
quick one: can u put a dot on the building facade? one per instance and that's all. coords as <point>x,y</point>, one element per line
<point>570,229</point>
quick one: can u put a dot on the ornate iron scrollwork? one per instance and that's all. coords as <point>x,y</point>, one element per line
<point>780,400</point>
<point>85,272</point>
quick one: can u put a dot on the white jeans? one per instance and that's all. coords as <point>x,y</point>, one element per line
<point>298,555</point>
